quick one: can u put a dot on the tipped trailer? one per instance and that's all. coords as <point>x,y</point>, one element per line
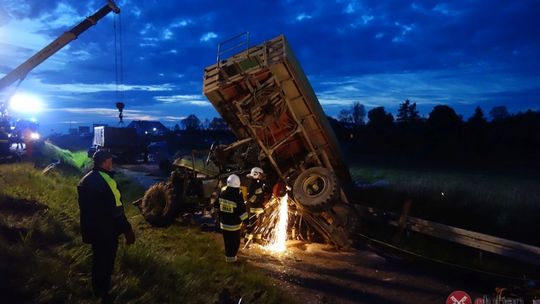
<point>266,99</point>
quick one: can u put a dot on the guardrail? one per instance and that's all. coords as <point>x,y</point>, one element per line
<point>507,248</point>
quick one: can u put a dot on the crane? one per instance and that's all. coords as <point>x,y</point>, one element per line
<point>20,72</point>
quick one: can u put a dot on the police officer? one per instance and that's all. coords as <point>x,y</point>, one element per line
<point>232,212</point>
<point>257,195</point>
<point>102,221</point>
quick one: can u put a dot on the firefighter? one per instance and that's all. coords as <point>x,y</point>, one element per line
<point>257,195</point>
<point>102,221</point>
<point>232,212</point>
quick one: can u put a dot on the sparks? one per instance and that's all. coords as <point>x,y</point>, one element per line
<point>279,233</point>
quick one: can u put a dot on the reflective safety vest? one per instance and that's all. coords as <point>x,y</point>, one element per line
<point>232,210</point>
<point>114,188</point>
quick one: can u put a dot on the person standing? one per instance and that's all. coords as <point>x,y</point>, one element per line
<point>102,221</point>
<point>257,196</point>
<point>232,212</point>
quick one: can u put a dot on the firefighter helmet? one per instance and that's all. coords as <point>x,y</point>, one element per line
<point>233,181</point>
<point>256,173</point>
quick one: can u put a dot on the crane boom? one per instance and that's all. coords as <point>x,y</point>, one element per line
<point>23,69</point>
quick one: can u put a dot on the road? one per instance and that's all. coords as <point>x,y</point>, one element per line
<point>317,273</point>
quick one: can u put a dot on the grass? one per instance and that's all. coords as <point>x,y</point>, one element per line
<point>42,259</point>
<point>502,204</point>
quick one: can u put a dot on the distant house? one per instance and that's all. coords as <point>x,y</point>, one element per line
<point>147,127</point>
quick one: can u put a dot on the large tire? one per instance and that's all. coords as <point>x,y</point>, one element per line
<point>158,205</point>
<point>316,188</point>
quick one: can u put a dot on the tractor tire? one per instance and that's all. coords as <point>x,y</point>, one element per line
<point>316,189</point>
<point>158,206</point>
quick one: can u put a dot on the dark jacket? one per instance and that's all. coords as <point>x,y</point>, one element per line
<point>102,217</point>
<point>257,196</point>
<point>232,210</point>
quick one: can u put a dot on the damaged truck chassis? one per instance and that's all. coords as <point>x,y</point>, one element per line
<point>265,98</point>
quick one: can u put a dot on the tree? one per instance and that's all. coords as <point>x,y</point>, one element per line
<point>191,122</point>
<point>358,113</point>
<point>176,128</point>
<point>443,117</point>
<point>499,113</point>
<point>407,113</point>
<point>218,124</point>
<point>378,117</point>
<point>477,118</point>
<point>355,115</point>
<point>345,116</point>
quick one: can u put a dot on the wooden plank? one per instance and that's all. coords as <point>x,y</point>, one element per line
<point>508,248</point>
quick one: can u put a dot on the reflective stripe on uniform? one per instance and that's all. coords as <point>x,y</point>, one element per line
<point>256,210</point>
<point>230,227</point>
<point>253,198</point>
<point>258,191</point>
<point>243,216</point>
<point>114,188</point>
<point>226,205</point>
<point>4,141</point>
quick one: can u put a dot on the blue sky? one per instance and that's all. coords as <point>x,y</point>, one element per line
<point>461,53</point>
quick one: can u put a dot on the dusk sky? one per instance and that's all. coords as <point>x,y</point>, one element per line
<point>461,53</point>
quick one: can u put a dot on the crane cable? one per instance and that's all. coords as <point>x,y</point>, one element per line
<point>118,60</point>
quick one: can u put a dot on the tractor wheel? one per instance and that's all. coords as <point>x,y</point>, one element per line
<point>158,205</point>
<point>316,188</point>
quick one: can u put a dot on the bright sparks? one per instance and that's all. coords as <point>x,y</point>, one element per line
<point>25,103</point>
<point>279,233</point>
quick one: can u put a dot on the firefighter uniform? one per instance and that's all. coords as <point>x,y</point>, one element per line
<point>256,198</point>
<point>232,212</point>
<point>102,221</point>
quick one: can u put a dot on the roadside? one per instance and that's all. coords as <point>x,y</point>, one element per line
<point>316,273</point>
<point>42,259</point>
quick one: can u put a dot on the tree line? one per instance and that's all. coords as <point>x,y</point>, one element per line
<point>443,136</point>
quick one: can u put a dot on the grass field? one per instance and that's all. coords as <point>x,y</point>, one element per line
<point>42,259</point>
<point>505,204</point>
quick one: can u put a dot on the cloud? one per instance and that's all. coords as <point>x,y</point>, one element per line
<point>351,7</point>
<point>196,100</point>
<point>303,16</point>
<point>96,87</point>
<point>181,23</point>
<point>208,36</point>
<point>92,113</point>
<point>424,88</point>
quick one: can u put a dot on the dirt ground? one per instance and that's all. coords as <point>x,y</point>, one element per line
<point>316,273</point>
